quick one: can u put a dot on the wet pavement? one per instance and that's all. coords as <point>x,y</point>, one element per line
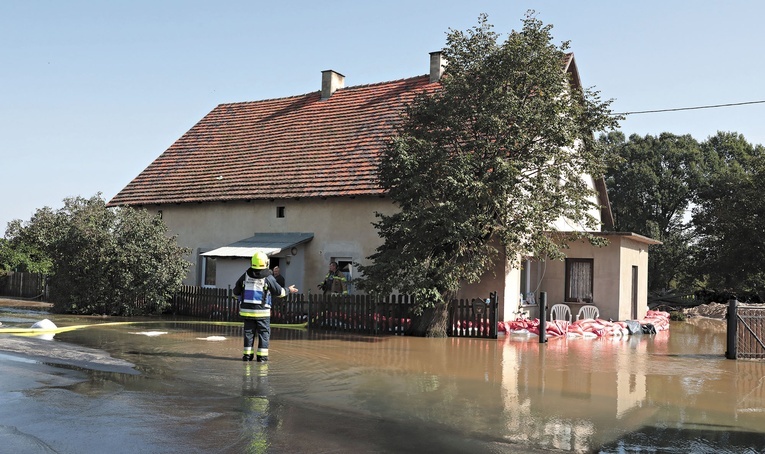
<point>166,386</point>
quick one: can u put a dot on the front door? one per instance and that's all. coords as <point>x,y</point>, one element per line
<point>634,302</point>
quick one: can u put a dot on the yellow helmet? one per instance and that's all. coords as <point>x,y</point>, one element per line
<point>260,261</point>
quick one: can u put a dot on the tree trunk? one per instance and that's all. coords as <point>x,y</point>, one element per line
<point>432,322</point>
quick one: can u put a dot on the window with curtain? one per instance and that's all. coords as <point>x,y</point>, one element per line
<point>579,280</point>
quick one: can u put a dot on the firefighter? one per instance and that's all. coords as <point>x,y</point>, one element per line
<point>334,282</point>
<point>255,288</point>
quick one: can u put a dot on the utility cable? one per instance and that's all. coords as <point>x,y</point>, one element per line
<point>691,108</point>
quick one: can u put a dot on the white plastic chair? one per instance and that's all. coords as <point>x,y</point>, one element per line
<point>560,312</point>
<point>588,311</point>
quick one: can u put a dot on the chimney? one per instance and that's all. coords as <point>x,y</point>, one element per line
<point>330,82</point>
<point>437,65</point>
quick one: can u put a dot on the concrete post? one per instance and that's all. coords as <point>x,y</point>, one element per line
<point>542,317</point>
<point>732,317</point>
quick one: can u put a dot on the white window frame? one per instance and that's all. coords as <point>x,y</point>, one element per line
<point>203,275</point>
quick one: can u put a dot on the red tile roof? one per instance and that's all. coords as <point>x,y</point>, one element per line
<point>291,147</point>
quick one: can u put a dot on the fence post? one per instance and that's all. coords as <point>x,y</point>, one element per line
<point>732,316</point>
<point>229,302</point>
<point>375,314</point>
<point>308,302</point>
<point>542,317</point>
<point>494,315</point>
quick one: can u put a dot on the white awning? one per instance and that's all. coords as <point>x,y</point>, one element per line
<point>227,251</point>
<point>270,243</point>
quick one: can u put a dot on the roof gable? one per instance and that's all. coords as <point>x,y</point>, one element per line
<point>294,147</point>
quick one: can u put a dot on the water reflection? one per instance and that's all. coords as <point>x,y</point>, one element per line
<point>615,394</point>
<point>673,391</point>
<point>256,407</point>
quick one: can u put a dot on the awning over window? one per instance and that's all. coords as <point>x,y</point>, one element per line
<point>270,243</point>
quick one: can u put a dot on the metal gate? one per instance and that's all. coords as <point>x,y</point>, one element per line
<point>746,331</point>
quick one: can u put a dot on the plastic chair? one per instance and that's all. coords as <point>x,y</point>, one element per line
<point>588,311</point>
<point>560,312</point>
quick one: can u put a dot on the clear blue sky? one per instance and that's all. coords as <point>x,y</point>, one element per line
<point>91,92</point>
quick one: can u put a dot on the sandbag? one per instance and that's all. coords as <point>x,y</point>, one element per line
<point>633,326</point>
<point>648,328</point>
<point>44,324</point>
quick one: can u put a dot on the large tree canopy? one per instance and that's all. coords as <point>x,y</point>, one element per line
<point>482,167</point>
<point>651,187</point>
<point>654,184</point>
<point>729,214</point>
<point>102,260</point>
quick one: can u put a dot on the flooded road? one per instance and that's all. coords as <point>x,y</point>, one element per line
<point>181,387</point>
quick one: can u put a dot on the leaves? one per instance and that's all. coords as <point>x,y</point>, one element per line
<point>482,168</point>
<point>103,260</point>
<point>729,214</point>
<point>655,181</point>
<point>651,184</point>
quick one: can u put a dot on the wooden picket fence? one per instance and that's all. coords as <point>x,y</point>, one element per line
<point>363,314</point>
<point>206,303</point>
<point>24,285</point>
<point>474,318</point>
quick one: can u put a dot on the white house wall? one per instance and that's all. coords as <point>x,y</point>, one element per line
<point>229,270</point>
<point>568,225</point>
<point>505,280</point>
<point>633,253</point>
<point>612,271</point>
<point>341,226</point>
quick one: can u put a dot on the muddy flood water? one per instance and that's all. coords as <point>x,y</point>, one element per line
<point>164,387</point>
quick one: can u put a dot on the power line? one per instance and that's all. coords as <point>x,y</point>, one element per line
<point>691,108</point>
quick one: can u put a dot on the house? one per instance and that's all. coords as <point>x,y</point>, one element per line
<point>296,177</point>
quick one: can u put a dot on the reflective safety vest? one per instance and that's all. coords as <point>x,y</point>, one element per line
<point>256,300</point>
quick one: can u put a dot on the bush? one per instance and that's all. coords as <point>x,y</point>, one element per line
<point>111,261</point>
<point>677,316</point>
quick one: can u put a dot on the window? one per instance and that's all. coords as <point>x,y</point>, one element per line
<point>279,212</point>
<point>345,265</point>
<point>527,293</point>
<point>579,280</point>
<point>208,271</point>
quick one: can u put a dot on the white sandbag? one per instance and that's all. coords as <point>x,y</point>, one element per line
<point>44,324</point>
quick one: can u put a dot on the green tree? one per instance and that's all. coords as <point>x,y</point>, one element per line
<point>651,186</point>
<point>482,167</point>
<point>22,257</point>
<point>103,260</point>
<point>21,250</point>
<point>729,215</point>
